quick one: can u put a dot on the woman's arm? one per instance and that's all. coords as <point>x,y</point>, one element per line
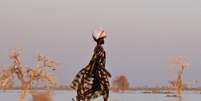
<point>92,63</point>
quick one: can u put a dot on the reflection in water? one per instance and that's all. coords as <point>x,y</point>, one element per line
<point>179,99</point>
<point>176,99</point>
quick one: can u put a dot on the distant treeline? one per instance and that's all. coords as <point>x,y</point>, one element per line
<point>129,89</point>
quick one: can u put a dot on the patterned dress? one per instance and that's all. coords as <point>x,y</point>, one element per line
<point>94,76</point>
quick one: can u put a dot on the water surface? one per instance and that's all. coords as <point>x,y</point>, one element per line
<point>14,95</point>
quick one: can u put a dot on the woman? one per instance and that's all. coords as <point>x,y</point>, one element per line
<point>92,81</point>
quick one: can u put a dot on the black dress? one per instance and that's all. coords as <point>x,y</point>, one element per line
<point>94,76</point>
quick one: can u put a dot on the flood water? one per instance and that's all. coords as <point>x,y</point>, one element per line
<point>131,96</point>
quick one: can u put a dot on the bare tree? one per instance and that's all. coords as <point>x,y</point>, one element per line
<point>26,74</point>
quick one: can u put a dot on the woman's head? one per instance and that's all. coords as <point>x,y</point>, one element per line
<point>98,35</point>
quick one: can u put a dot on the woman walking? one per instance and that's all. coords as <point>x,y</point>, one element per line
<point>92,81</point>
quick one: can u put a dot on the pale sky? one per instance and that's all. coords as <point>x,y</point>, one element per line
<point>143,35</point>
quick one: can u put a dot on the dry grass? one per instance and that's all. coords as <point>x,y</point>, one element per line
<point>42,95</point>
